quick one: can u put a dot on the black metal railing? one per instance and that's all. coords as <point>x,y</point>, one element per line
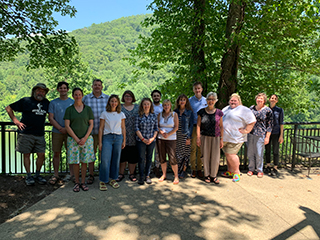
<point>12,161</point>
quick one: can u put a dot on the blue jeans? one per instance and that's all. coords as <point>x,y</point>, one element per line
<point>110,157</point>
<point>256,147</point>
<point>145,158</point>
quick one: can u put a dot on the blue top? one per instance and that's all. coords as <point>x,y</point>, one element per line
<point>147,125</point>
<point>196,105</point>
<point>186,122</point>
<point>277,119</point>
<point>58,108</point>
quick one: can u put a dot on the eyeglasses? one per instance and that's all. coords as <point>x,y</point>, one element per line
<point>211,99</point>
<point>127,96</point>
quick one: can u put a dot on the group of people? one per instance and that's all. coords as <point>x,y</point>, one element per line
<point>194,130</point>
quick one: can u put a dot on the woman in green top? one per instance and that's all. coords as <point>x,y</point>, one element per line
<point>79,123</point>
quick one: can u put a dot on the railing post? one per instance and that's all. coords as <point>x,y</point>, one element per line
<point>293,162</point>
<point>3,148</point>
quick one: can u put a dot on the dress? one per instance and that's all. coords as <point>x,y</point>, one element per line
<point>184,132</point>
<point>130,152</point>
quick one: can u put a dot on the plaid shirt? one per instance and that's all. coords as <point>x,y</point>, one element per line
<point>147,125</point>
<point>98,105</point>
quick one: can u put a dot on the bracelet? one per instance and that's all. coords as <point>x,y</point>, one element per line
<point>142,139</point>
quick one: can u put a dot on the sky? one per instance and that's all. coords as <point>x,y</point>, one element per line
<point>100,11</point>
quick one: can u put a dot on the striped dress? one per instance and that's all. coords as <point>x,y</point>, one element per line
<point>182,150</point>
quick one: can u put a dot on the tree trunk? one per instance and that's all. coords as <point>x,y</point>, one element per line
<point>198,64</point>
<point>229,64</point>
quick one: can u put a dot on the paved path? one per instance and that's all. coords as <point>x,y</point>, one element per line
<point>287,207</point>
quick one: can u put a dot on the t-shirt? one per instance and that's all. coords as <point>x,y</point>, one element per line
<point>277,119</point>
<point>33,114</point>
<point>112,123</point>
<point>233,120</point>
<point>157,109</point>
<point>79,122</point>
<point>58,108</point>
<point>210,123</point>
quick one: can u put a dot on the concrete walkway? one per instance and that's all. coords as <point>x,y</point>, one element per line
<point>287,207</point>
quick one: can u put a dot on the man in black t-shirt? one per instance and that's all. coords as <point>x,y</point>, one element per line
<point>31,129</point>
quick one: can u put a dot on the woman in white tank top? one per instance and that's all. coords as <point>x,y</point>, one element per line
<point>168,124</point>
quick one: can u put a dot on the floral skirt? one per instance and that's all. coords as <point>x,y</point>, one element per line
<point>77,153</point>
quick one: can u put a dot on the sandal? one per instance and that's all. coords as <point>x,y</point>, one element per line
<point>90,179</point>
<point>215,180</point>
<point>114,184</point>
<point>103,186</point>
<point>207,179</point>
<point>76,187</point>
<point>236,177</point>
<point>53,180</point>
<point>176,181</point>
<point>120,177</point>
<point>227,174</point>
<point>249,173</point>
<point>161,179</point>
<point>132,177</point>
<point>84,187</point>
<point>260,174</point>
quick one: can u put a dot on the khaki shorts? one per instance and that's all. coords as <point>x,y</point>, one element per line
<point>231,148</point>
<point>28,143</point>
<point>58,140</point>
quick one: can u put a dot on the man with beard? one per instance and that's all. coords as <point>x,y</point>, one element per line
<point>157,106</point>
<point>31,129</point>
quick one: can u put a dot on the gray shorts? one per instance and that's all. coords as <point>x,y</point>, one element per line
<point>28,143</point>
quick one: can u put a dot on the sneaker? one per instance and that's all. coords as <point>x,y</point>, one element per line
<point>29,181</point>
<point>148,180</point>
<point>140,181</point>
<point>267,170</point>
<point>39,179</point>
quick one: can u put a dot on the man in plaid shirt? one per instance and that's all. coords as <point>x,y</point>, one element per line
<point>97,100</point>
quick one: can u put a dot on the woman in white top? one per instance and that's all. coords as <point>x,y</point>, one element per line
<point>112,138</point>
<point>168,123</point>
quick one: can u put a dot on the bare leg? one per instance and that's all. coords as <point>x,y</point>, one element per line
<point>175,171</point>
<point>164,170</point>
<point>56,161</point>
<point>132,168</point>
<point>40,161</point>
<point>233,163</point>
<point>76,169</point>
<point>26,161</point>
<point>83,172</point>
<point>122,167</point>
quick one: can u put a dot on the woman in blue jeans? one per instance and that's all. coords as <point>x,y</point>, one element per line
<point>259,135</point>
<point>112,138</point>
<point>146,130</point>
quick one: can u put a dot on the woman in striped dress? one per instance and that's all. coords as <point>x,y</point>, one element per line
<point>184,112</point>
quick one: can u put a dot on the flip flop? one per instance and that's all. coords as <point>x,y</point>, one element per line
<point>161,179</point>
<point>176,181</point>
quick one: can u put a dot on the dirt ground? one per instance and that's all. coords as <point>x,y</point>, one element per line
<point>16,196</point>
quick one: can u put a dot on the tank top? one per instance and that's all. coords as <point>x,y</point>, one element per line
<point>166,125</point>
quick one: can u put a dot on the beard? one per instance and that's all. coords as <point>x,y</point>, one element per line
<point>38,97</point>
<point>156,101</point>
